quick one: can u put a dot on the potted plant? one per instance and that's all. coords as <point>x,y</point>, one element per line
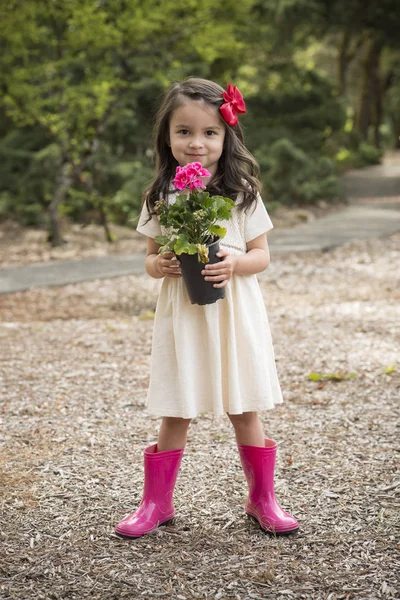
<point>192,230</point>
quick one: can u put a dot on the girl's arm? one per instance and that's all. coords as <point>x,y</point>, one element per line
<point>254,261</point>
<point>160,265</point>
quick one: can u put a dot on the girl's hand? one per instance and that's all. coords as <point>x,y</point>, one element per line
<point>221,271</point>
<point>168,265</point>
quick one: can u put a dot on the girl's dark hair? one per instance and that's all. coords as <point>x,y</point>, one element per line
<point>238,171</point>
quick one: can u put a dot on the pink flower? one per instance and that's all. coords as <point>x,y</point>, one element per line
<point>189,176</point>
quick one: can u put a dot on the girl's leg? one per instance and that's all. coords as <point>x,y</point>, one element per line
<point>248,429</point>
<point>172,434</point>
<point>257,456</point>
<point>161,466</point>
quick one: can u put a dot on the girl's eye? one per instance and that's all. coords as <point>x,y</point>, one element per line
<point>184,131</point>
<point>211,133</point>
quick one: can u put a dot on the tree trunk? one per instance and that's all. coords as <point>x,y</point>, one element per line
<point>346,54</point>
<point>368,90</point>
<point>99,204</point>
<point>104,222</point>
<point>397,134</point>
<point>378,114</point>
<point>388,80</point>
<point>343,62</point>
<point>62,186</point>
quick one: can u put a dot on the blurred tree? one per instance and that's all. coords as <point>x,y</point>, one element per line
<point>65,66</point>
<point>80,83</point>
<point>364,28</point>
<point>393,94</point>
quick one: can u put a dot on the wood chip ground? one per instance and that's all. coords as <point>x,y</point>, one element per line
<point>74,372</point>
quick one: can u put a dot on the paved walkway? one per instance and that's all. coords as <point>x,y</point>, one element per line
<point>356,222</point>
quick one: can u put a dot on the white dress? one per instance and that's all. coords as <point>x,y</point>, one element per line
<point>218,357</point>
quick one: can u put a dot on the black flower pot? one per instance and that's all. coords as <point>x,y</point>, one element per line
<point>199,290</point>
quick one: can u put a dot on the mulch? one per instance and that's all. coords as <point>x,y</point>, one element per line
<point>74,370</point>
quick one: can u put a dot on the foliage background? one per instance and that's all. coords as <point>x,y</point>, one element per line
<point>80,82</point>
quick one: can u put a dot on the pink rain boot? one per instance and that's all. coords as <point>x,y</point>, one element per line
<point>156,508</point>
<point>258,465</point>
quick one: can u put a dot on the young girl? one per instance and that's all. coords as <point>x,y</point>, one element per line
<point>218,357</point>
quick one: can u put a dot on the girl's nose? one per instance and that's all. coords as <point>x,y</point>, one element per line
<point>196,143</point>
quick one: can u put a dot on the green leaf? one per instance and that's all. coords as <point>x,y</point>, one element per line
<point>162,239</point>
<point>223,213</point>
<point>218,231</point>
<point>167,248</point>
<point>150,314</point>
<point>315,376</point>
<point>218,202</point>
<point>182,246</point>
<point>222,201</point>
<point>341,376</point>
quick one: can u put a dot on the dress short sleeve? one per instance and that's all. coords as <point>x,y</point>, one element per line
<point>257,222</point>
<point>148,224</point>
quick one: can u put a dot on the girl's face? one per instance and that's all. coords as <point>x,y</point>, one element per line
<point>196,134</point>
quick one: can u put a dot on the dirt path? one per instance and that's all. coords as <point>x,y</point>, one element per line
<point>378,182</point>
<point>74,367</point>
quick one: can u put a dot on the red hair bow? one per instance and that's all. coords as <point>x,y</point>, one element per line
<point>234,104</point>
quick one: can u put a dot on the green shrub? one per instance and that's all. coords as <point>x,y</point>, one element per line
<point>126,202</point>
<point>370,155</point>
<point>363,156</point>
<point>295,103</point>
<point>117,185</point>
<point>28,163</point>
<point>296,178</point>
